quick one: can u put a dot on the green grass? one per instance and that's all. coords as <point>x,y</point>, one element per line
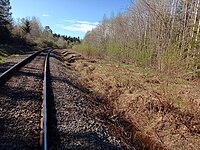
<point>6,51</point>
<point>179,102</point>
<point>3,53</point>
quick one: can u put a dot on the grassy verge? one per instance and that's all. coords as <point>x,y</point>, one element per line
<point>6,51</point>
<point>164,107</point>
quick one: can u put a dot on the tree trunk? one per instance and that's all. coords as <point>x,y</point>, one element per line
<point>198,28</point>
<point>185,20</point>
<point>195,16</point>
<point>173,14</point>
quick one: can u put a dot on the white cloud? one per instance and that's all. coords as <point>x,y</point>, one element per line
<point>77,25</point>
<point>87,22</point>
<point>69,21</point>
<point>45,15</point>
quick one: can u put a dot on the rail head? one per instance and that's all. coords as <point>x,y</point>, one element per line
<point>43,138</point>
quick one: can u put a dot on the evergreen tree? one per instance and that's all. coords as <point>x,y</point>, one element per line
<point>5,20</point>
<point>5,15</point>
<point>27,26</point>
<point>48,29</point>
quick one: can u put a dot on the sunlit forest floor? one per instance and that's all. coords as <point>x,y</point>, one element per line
<point>164,107</point>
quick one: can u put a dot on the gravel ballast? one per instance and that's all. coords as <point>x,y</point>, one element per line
<point>20,107</point>
<point>11,61</point>
<point>77,117</point>
<point>74,116</point>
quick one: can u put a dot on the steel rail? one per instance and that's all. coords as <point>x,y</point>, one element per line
<point>44,142</point>
<point>5,76</point>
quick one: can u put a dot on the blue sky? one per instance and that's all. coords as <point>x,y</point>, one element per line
<point>68,17</point>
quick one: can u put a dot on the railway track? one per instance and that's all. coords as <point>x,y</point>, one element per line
<point>42,88</point>
<point>19,130</point>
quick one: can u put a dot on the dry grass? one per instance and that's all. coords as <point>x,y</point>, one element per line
<point>163,107</point>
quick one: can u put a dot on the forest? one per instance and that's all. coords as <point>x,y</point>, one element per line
<point>137,71</point>
<point>29,31</point>
<point>160,34</point>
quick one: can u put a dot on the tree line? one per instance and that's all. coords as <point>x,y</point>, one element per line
<point>29,31</point>
<point>161,34</point>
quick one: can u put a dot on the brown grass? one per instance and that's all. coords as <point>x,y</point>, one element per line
<point>164,108</point>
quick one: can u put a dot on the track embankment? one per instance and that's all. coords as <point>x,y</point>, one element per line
<point>160,109</point>
<point>80,119</point>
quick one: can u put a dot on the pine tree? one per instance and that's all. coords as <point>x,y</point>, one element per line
<point>27,26</point>
<point>5,20</point>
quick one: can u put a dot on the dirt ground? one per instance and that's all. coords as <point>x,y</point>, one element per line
<point>163,108</point>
